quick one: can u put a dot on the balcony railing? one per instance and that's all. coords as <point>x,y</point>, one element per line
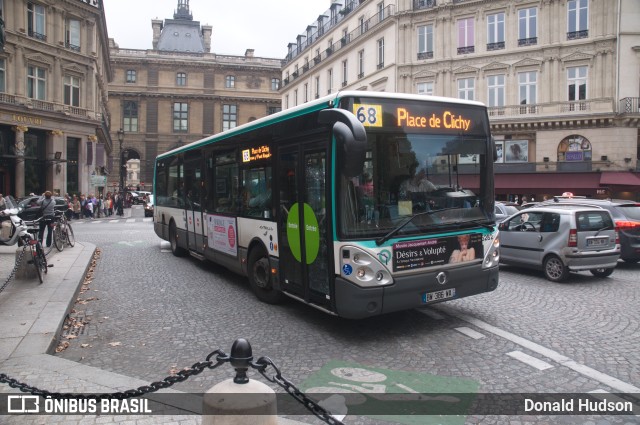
<point>37,35</point>
<point>72,47</point>
<point>466,49</point>
<point>495,46</point>
<point>423,4</point>
<point>554,109</point>
<point>43,105</point>
<point>322,29</point>
<point>574,35</point>
<point>425,55</point>
<point>527,41</point>
<point>629,105</point>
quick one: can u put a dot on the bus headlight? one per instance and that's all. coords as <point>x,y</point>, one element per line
<point>362,268</point>
<point>492,258</point>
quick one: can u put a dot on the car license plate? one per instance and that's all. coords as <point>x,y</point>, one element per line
<point>597,242</point>
<point>445,294</point>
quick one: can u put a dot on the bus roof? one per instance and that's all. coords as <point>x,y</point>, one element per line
<point>325,102</point>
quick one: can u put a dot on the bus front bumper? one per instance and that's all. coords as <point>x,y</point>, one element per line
<point>408,292</point>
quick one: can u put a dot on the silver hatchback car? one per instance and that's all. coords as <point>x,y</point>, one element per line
<point>560,239</point>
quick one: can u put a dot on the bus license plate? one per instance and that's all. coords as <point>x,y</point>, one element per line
<point>597,242</point>
<point>445,294</point>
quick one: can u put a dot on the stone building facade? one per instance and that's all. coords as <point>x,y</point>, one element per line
<point>179,92</point>
<point>561,79</point>
<point>54,74</point>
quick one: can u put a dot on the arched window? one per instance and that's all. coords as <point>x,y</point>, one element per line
<point>574,148</point>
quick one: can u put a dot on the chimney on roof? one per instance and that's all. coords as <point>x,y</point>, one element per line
<point>156,25</point>
<point>206,36</point>
<point>248,53</point>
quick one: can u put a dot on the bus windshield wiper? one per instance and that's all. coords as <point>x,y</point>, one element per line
<point>395,230</point>
<point>476,222</point>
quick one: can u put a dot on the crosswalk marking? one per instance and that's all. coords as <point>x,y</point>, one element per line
<point>530,360</point>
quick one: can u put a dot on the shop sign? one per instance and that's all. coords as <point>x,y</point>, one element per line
<point>98,180</point>
<point>26,119</point>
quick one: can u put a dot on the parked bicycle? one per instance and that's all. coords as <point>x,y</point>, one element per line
<point>62,233</point>
<point>14,230</point>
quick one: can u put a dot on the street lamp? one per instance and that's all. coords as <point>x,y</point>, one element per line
<point>121,165</point>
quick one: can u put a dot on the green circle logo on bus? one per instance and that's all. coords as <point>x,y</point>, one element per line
<point>311,233</point>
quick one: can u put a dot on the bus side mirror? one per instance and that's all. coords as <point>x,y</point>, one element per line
<point>351,139</point>
<point>495,150</point>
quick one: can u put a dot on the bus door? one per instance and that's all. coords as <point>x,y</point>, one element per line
<point>305,249</point>
<point>193,183</point>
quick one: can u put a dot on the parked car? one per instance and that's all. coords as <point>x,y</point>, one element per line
<point>505,209</point>
<point>626,216</point>
<point>30,210</point>
<point>137,197</point>
<point>560,239</point>
<point>148,206</point>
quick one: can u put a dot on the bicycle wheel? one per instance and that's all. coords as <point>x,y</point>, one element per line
<point>47,249</point>
<point>36,260</point>
<point>71,240</point>
<point>58,240</point>
<point>43,258</point>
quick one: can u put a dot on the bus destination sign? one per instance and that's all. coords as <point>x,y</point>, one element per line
<point>255,154</point>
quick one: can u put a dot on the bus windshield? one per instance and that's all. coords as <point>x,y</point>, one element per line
<point>433,179</point>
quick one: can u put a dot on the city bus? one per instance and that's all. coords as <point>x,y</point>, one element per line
<point>357,204</point>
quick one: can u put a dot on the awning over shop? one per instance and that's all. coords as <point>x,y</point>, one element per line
<point>564,182</point>
<point>625,178</point>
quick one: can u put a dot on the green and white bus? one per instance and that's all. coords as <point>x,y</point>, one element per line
<point>358,203</point>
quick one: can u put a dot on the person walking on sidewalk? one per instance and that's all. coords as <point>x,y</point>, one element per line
<point>47,212</point>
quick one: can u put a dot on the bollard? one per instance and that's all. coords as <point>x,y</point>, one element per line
<point>25,270</point>
<point>240,401</point>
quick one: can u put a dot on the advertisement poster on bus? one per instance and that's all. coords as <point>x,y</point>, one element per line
<point>436,252</point>
<point>222,234</point>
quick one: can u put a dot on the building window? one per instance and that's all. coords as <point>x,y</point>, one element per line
<point>574,148</point>
<point>317,87</point>
<point>465,88</point>
<point>361,64</point>
<point>381,11</point>
<point>181,79</point>
<point>275,84</point>
<point>425,41</point>
<point>36,21</point>
<point>495,31</point>
<point>306,93</point>
<point>527,87</point>
<point>381,53</point>
<point>71,90</point>
<point>495,86</point>
<point>527,26</point>
<point>130,76</point>
<point>229,117</point>
<point>465,36</point>
<point>230,82</point>
<point>345,69</point>
<point>273,110</point>
<point>577,82</point>
<point>578,19</point>
<point>36,82</point>
<point>3,75</point>
<point>180,117</point>
<point>425,88</point>
<point>72,34</point>
<point>329,80</point>
<point>130,116</point>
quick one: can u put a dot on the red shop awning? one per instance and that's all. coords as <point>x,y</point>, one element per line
<point>564,182</point>
<point>624,178</point>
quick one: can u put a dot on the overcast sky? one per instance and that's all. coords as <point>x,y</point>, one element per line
<point>266,26</point>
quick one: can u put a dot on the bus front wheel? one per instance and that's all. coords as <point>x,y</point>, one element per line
<point>260,277</point>
<point>173,240</point>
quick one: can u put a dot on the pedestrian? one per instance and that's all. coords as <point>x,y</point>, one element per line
<point>47,212</point>
<point>3,203</point>
<point>77,208</point>
<point>89,206</point>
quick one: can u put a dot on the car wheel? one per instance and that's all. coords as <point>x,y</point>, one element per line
<point>260,277</point>
<point>554,269</point>
<point>173,240</point>
<point>601,272</point>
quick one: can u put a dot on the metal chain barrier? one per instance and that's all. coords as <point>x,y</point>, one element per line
<point>15,268</point>
<point>240,358</point>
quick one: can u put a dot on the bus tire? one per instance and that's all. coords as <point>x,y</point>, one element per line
<point>259,272</point>
<point>173,241</point>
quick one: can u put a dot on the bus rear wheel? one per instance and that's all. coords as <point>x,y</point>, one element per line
<point>260,277</point>
<point>173,240</point>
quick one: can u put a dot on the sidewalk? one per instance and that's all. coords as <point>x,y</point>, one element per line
<point>31,318</point>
